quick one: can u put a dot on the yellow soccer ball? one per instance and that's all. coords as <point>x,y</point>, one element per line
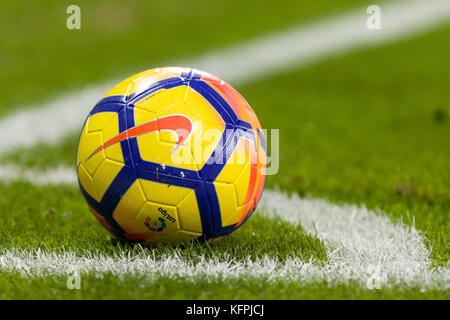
<point>171,155</point>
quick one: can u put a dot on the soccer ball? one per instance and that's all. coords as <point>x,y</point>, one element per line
<point>171,155</point>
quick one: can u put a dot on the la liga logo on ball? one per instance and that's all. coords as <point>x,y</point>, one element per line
<point>172,143</point>
<point>155,225</point>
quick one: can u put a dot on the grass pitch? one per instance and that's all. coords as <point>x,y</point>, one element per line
<point>41,58</point>
<point>375,128</point>
<point>370,127</point>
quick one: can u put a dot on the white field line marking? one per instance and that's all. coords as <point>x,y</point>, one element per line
<point>299,46</point>
<point>37,176</point>
<point>362,246</point>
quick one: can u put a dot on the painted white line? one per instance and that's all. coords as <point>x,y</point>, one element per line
<point>299,46</point>
<point>362,246</point>
<point>37,176</point>
<point>50,122</point>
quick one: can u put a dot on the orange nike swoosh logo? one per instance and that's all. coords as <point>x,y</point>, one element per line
<point>179,124</point>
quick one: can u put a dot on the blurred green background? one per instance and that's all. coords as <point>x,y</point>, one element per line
<point>39,56</point>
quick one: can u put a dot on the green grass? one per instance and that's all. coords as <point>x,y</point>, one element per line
<point>15,286</point>
<point>370,127</point>
<point>53,217</point>
<point>40,57</point>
